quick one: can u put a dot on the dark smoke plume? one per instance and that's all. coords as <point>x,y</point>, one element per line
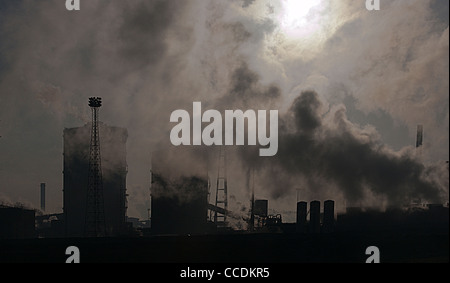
<point>324,151</point>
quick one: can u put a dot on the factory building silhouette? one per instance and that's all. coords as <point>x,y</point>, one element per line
<point>16,223</point>
<point>179,195</point>
<point>182,204</point>
<point>76,169</point>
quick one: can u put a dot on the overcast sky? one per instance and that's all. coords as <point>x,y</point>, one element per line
<point>351,86</point>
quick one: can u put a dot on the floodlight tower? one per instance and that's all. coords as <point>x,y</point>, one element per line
<point>95,211</point>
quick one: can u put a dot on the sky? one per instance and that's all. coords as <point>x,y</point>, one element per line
<point>350,85</point>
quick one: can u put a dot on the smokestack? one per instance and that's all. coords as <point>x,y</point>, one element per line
<point>419,141</point>
<point>328,216</point>
<point>251,224</point>
<point>314,217</point>
<point>302,211</point>
<point>43,197</point>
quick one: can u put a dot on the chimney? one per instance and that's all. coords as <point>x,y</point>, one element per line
<point>43,197</point>
<point>328,216</point>
<point>302,211</point>
<point>314,217</point>
<point>419,141</point>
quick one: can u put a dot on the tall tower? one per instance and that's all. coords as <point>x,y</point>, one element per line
<point>221,189</point>
<point>43,197</point>
<point>314,216</point>
<point>419,141</point>
<point>76,153</point>
<point>95,211</point>
<point>251,224</point>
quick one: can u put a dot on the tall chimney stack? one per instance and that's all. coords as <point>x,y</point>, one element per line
<point>314,217</point>
<point>302,212</point>
<point>328,216</point>
<point>43,197</point>
<point>419,141</point>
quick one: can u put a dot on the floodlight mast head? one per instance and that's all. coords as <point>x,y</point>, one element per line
<point>95,102</point>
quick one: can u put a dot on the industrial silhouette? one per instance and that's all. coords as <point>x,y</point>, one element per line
<point>184,225</point>
<point>95,186</point>
<point>95,206</point>
<point>178,197</point>
<point>220,215</point>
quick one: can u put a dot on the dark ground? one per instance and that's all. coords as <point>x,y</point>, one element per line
<point>339,247</point>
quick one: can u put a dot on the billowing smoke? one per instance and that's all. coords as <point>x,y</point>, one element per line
<point>325,155</point>
<point>321,152</point>
<point>149,58</point>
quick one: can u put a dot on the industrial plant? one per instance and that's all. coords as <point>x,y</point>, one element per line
<point>187,202</point>
<point>110,202</point>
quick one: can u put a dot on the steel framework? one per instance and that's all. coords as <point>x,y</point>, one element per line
<point>95,211</point>
<point>220,219</point>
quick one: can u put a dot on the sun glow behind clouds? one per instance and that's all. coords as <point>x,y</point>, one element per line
<point>302,28</point>
<point>300,18</point>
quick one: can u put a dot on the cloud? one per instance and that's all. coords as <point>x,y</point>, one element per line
<point>149,58</point>
<point>329,151</point>
<point>123,52</point>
